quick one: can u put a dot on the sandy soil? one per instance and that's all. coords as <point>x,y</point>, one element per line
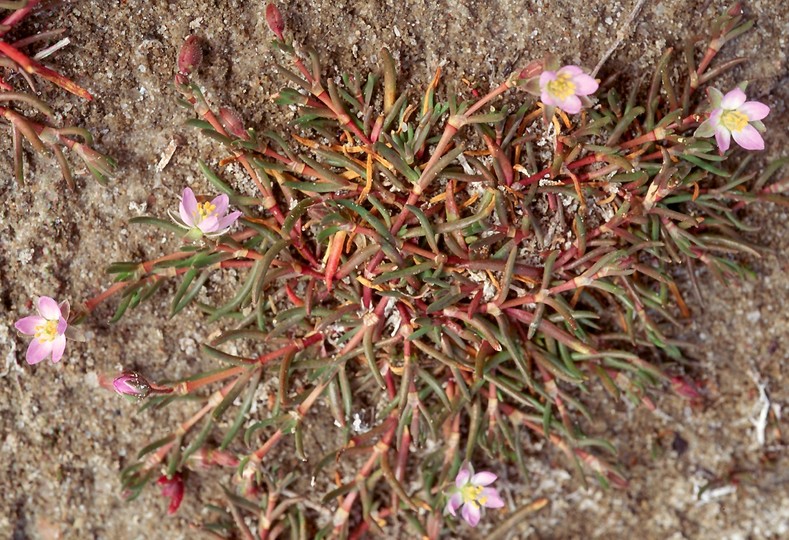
<point>64,439</point>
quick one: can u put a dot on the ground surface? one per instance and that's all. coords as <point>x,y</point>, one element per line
<point>63,439</point>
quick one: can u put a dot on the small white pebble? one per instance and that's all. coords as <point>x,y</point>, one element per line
<point>25,256</point>
<point>167,155</point>
<point>753,316</point>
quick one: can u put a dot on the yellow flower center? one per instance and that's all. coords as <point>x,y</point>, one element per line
<point>473,494</point>
<point>47,331</point>
<point>734,121</point>
<point>204,209</point>
<point>562,86</point>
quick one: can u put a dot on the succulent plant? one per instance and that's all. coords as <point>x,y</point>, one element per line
<point>447,279</point>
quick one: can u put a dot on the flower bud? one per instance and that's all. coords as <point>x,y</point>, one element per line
<point>173,488</point>
<point>233,123</point>
<point>224,459</point>
<point>685,388</point>
<point>131,383</point>
<point>247,477</point>
<point>533,69</point>
<point>274,20</point>
<point>190,56</point>
<point>98,164</point>
<point>209,458</point>
<point>181,81</point>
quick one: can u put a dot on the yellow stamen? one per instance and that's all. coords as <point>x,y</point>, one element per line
<point>471,494</point>
<point>562,87</point>
<point>204,209</point>
<point>47,331</point>
<point>734,121</point>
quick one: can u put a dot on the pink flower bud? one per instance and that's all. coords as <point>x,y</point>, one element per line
<point>685,388</point>
<point>190,56</point>
<point>233,123</point>
<point>182,80</point>
<point>274,20</point>
<point>209,458</point>
<point>224,459</point>
<point>131,383</point>
<point>174,489</point>
<point>533,69</point>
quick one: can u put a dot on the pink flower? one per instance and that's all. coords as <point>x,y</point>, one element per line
<point>131,383</point>
<point>562,88</point>
<point>472,493</point>
<point>48,328</point>
<point>732,116</point>
<point>210,218</point>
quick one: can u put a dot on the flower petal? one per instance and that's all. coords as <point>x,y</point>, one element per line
<point>483,478</point>
<point>584,84</point>
<point>733,99</point>
<point>749,138</point>
<point>62,326</point>
<point>547,98</point>
<point>715,117</point>
<point>463,475</point>
<point>228,220</point>
<point>48,308</point>
<point>545,78</point>
<point>58,346</point>
<point>705,129</point>
<point>209,224</point>
<point>221,202</point>
<point>570,70</point>
<point>723,138</point>
<point>186,217</point>
<point>471,513</point>
<point>715,97</point>
<point>759,125</point>
<point>571,104</point>
<point>27,325</point>
<point>454,503</point>
<point>491,498</point>
<point>188,207</point>
<point>37,351</point>
<point>65,309</point>
<point>754,110</point>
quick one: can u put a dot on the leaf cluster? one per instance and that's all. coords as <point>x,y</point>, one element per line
<point>30,118</point>
<point>475,279</point>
